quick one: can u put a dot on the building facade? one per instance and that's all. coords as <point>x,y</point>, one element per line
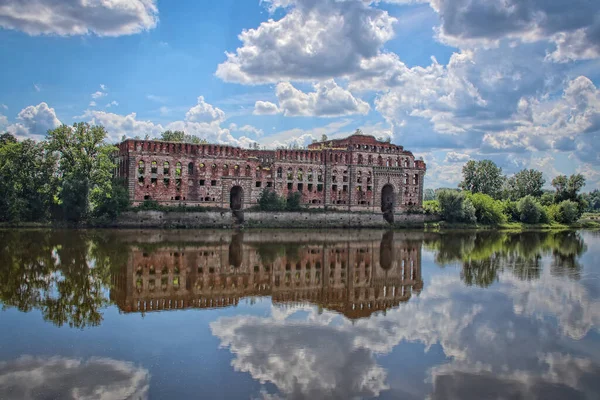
<point>356,173</point>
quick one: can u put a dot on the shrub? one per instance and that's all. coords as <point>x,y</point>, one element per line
<point>487,210</point>
<point>529,210</point>
<point>568,212</point>
<point>451,205</point>
<point>547,199</point>
<point>294,202</point>
<point>468,211</point>
<point>431,207</point>
<point>552,212</point>
<point>511,211</point>
<point>268,200</point>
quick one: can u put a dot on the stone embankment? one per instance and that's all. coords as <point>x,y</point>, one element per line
<point>258,219</point>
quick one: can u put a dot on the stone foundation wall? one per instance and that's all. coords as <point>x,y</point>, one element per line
<point>258,219</point>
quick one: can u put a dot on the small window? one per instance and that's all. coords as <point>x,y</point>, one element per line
<point>213,183</point>
<point>269,184</point>
<point>153,181</point>
<point>334,188</point>
<point>146,197</point>
<point>319,187</point>
<point>290,186</point>
<point>154,167</point>
<point>310,187</point>
<point>201,182</point>
<point>167,181</point>
<point>141,180</point>
<point>279,172</point>
<point>258,184</point>
<point>300,187</point>
<point>191,169</point>
<point>345,188</point>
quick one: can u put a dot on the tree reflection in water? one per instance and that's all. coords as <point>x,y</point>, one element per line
<point>68,274</point>
<point>484,255</point>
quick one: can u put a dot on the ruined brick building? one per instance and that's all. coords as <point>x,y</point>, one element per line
<point>358,173</point>
<point>355,278</point>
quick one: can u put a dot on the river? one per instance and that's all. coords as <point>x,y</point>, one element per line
<point>135,314</point>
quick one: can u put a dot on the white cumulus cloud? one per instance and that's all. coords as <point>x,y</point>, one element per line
<point>76,17</point>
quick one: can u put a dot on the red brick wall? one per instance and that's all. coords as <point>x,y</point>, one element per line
<point>347,177</point>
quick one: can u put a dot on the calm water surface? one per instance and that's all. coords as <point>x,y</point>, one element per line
<point>281,314</point>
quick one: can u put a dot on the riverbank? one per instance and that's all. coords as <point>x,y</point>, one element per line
<point>225,219</point>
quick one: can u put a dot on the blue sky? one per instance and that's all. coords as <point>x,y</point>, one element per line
<point>451,80</point>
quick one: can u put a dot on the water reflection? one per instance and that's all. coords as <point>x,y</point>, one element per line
<point>356,277</point>
<point>66,378</point>
<point>512,315</point>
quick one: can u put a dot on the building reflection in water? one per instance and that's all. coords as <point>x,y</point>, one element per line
<point>356,277</point>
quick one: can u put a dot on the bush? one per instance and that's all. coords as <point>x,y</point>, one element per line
<point>431,207</point>
<point>268,200</point>
<point>294,202</point>
<point>552,211</point>
<point>468,211</point>
<point>487,210</point>
<point>451,205</point>
<point>547,199</point>
<point>568,212</point>
<point>454,207</point>
<point>511,211</point>
<point>530,211</point>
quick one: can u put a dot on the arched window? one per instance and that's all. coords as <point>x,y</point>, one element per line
<point>380,161</point>
<point>202,167</point>
<point>336,158</point>
<point>236,170</point>
<point>360,159</point>
<point>300,174</point>
<point>406,162</point>
<point>248,170</point>
<point>141,167</point>
<point>178,169</point>
<point>416,179</point>
<point>279,172</point>
<point>320,176</point>
<point>406,179</point>
<point>166,169</point>
<point>213,167</point>
<point>290,174</point>
<point>359,177</point>
<point>310,175</point>
<point>154,167</point>
<point>225,170</point>
<point>370,159</point>
<point>191,169</point>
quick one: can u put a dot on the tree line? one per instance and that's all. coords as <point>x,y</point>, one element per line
<point>69,176</point>
<point>487,196</point>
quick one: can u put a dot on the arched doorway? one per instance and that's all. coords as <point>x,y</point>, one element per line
<point>387,198</point>
<point>236,198</point>
<point>386,251</point>
<point>235,249</point>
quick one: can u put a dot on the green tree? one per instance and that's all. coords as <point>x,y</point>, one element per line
<point>482,177</point>
<point>593,200</point>
<point>86,166</point>
<point>182,137</point>
<point>268,200</point>
<point>523,183</point>
<point>567,188</point>
<point>568,212</point>
<point>454,207</point>
<point>487,210</point>
<point>530,211</point>
<point>294,202</point>
<point>28,180</point>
